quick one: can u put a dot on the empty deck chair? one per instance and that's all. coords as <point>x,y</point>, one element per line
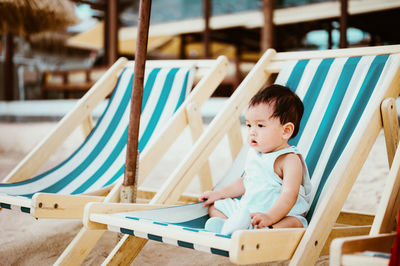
<point>342,91</point>
<point>98,163</point>
<point>378,247</point>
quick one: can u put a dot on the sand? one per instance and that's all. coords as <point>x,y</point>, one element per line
<point>27,241</point>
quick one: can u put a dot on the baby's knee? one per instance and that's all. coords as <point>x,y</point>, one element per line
<point>214,212</point>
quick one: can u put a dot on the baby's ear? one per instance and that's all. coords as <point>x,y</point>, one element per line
<point>288,129</point>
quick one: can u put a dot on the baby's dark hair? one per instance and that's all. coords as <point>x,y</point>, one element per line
<point>288,106</point>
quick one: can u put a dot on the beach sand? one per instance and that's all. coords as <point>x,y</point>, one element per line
<point>27,241</point>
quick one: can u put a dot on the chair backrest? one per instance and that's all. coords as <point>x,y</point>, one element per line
<point>340,95</point>
<point>100,159</point>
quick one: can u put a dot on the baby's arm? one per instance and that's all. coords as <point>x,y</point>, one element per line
<point>233,190</point>
<point>291,169</point>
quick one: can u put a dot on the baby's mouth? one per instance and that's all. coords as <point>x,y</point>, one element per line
<point>253,141</point>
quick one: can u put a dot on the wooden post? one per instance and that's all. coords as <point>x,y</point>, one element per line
<point>238,74</point>
<point>9,68</point>
<point>343,23</point>
<point>111,32</point>
<point>206,34</point>
<point>267,32</point>
<point>130,178</point>
<point>329,30</point>
<point>182,47</point>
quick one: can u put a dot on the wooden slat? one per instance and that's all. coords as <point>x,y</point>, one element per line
<point>390,127</point>
<point>196,128</point>
<point>235,139</point>
<point>355,218</point>
<point>385,219</point>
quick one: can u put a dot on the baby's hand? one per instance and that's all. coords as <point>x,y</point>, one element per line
<point>209,197</point>
<point>260,220</point>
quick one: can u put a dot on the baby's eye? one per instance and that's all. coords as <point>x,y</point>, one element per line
<point>260,125</point>
<point>248,125</point>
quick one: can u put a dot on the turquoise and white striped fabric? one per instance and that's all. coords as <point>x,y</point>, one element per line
<point>340,96</point>
<point>335,94</point>
<point>100,160</point>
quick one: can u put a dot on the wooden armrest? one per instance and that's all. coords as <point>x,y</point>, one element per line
<point>254,246</point>
<point>46,205</point>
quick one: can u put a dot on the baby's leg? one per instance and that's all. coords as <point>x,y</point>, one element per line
<point>216,221</point>
<point>288,222</point>
<point>214,212</point>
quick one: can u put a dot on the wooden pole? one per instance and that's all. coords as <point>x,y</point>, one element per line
<point>128,192</point>
<point>111,32</point>
<point>343,23</point>
<point>206,34</point>
<point>182,47</point>
<point>9,68</point>
<point>238,59</point>
<point>329,30</point>
<point>267,32</point>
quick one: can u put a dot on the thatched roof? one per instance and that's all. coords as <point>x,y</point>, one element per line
<point>24,17</point>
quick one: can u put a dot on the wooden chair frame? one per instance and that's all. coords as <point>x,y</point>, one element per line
<point>301,246</point>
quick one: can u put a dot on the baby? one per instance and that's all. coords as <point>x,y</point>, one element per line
<point>275,187</point>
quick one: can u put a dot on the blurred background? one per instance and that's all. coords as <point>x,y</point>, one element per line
<point>56,49</point>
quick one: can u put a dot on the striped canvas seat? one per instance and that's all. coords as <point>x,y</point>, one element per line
<point>341,97</point>
<point>99,161</point>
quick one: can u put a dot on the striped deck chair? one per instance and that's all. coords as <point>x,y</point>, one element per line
<point>98,163</point>
<point>342,91</point>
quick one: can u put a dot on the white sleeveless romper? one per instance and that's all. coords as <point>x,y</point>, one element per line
<point>263,186</point>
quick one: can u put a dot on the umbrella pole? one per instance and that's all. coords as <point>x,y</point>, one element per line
<point>128,190</point>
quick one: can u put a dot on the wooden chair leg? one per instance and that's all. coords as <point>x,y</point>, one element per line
<point>125,251</point>
<point>80,247</point>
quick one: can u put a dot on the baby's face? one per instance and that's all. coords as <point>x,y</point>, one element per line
<point>265,133</point>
